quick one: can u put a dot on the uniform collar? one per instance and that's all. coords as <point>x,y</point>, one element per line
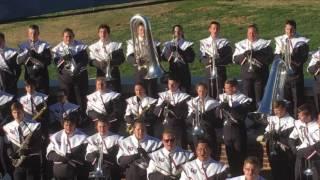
<point>167,152</point>
<point>205,163</point>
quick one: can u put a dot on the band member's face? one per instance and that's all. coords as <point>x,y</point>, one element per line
<point>100,86</point>
<point>304,117</point>
<point>103,34</point>
<point>177,32</point>
<point>252,34</point>
<point>289,30</point>
<point>203,151</point>
<point>250,171</point>
<point>202,92</point>
<point>62,99</point>
<point>214,30</point>
<point>280,111</point>
<point>141,31</point>
<point>139,91</point>
<point>139,131</point>
<point>69,127</point>
<point>17,115</point>
<point>173,85</point>
<point>168,141</point>
<point>102,127</point>
<point>33,35</point>
<point>29,89</point>
<point>229,89</point>
<point>67,38</point>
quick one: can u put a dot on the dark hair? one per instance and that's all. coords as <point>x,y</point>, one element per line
<point>138,122</point>
<point>104,26</point>
<point>292,23</point>
<point>139,83</point>
<point>253,25</point>
<point>252,160</point>
<point>215,23</point>
<point>16,106</point>
<point>232,82</point>
<point>279,104</point>
<point>101,78</point>
<point>173,77</point>
<point>178,26</point>
<point>2,36</point>
<point>202,84</point>
<point>71,117</point>
<point>34,27</point>
<point>102,119</point>
<point>68,30</point>
<point>30,82</point>
<point>306,109</point>
<point>202,141</point>
<point>169,131</point>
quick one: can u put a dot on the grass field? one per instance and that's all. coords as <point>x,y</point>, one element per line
<point>193,15</point>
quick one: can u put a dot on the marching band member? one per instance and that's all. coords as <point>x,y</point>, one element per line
<point>5,103</point>
<point>216,53</point>
<point>104,142</point>
<point>9,69</point>
<point>254,56</point>
<point>204,167</point>
<point>134,150</point>
<point>104,102</point>
<point>315,149</point>
<point>107,56</point>
<point>140,107</point>
<point>59,110</point>
<point>67,150</point>
<point>303,127</point>
<point>71,59</point>
<point>280,125</point>
<point>178,52</point>
<point>201,114</point>
<point>167,162</point>
<point>24,148</point>
<point>251,170</point>
<point>137,55</point>
<point>172,109</point>
<point>294,50</point>
<point>233,109</point>
<point>314,69</point>
<point>36,56</point>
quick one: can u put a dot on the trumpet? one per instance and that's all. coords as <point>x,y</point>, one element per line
<point>272,140</point>
<point>108,58</point>
<point>199,110</point>
<point>212,65</point>
<point>98,172</point>
<point>287,56</point>
<point>70,63</point>
<point>175,54</point>
<point>167,111</point>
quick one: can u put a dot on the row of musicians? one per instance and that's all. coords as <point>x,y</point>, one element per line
<point>254,54</point>
<point>141,156</point>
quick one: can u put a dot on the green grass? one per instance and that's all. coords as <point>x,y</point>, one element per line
<point>194,15</point>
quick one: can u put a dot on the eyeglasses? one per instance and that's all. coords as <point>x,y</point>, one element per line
<point>169,140</point>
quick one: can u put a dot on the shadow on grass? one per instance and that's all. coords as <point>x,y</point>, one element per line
<point>93,9</point>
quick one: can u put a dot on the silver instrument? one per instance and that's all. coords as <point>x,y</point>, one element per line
<point>287,56</point>
<point>175,54</point>
<point>198,108</point>
<point>249,58</point>
<point>98,172</point>
<point>36,64</point>
<point>70,64</point>
<point>166,111</point>
<point>108,58</point>
<point>272,141</point>
<point>145,50</point>
<point>212,65</point>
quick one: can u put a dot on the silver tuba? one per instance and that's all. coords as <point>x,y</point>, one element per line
<point>145,50</point>
<point>198,108</point>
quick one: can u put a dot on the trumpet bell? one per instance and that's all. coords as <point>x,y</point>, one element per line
<point>96,174</point>
<point>197,131</point>
<point>308,172</point>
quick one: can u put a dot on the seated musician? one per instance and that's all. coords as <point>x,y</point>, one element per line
<point>67,150</point>
<point>106,143</point>
<point>303,127</point>
<point>172,110</point>
<point>24,144</point>
<point>134,152</point>
<point>104,102</point>
<point>140,107</point>
<point>201,113</point>
<point>204,167</point>
<point>314,69</point>
<point>233,109</point>
<point>280,125</point>
<point>59,110</point>
<point>167,162</point>
<point>5,102</point>
<point>251,170</point>
<point>313,154</point>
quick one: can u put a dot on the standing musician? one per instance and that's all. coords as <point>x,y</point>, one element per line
<point>104,102</point>
<point>172,110</point>
<point>59,110</point>
<point>166,163</point>
<point>314,69</point>
<point>9,69</point>
<point>104,145</point>
<point>107,56</point>
<point>24,145</point>
<point>134,150</point>
<point>251,170</point>
<point>201,120</point>
<point>137,55</point>
<point>233,109</point>
<point>71,59</point>
<point>294,50</point>
<point>35,55</point>
<point>67,150</point>
<point>178,52</point>
<point>216,53</point>
<point>204,167</point>
<point>253,55</point>
<point>140,107</point>
<point>303,127</point>
<point>280,125</point>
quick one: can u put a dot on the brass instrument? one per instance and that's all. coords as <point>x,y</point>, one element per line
<point>212,65</point>
<point>166,111</point>
<point>108,58</point>
<point>41,112</point>
<point>309,167</point>
<point>138,116</point>
<point>199,110</point>
<point>287,56</point>
<point>69,64</point>
<point>145,51</point>
<point>175,54</point>
<point>272,141</point>
<point>36,64</point>
<point>98,172</point>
